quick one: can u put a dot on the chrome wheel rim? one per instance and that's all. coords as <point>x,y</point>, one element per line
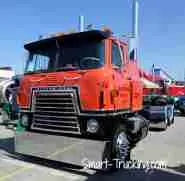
<point>122,146</point>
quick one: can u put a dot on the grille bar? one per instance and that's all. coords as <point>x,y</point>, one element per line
<point>55,121</point>
<point>54,103</point>
<point>54,130</point>
<point>56,126</point>
<point>53,98</point>
<point>54,107</point>
<point>53,117</point>
<point>54,112</point>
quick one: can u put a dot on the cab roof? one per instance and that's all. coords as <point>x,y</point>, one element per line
<point>86,35</point>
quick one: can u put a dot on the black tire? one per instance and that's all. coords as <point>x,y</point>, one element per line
<point>166,121</point>
<point>169,113</point>
<point>173,120</point>
<point>165,126</point>
<point>119,149</point>
<point>121,144</point>
<point>173,117</point>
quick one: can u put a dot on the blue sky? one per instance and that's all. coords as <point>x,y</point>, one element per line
<point>162,27</point>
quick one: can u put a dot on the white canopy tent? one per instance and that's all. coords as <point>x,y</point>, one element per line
<point>149,84</point>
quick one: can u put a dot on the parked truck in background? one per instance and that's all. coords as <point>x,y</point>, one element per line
<point>159,110</point>
<point>6,74</point>
<point>159,105</point>
<point>9,106</point>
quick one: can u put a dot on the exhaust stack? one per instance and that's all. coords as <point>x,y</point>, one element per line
<point>81,23</point>
<point>133,41</point>
<point>135,18</point>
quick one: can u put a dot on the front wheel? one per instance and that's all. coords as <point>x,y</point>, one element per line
<point>120,149</point>
<point>121,146</point>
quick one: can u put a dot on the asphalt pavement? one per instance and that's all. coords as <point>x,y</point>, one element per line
<point>166,146</point>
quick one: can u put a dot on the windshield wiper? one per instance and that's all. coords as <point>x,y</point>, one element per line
<point>35,72</point>
<point>67,68</point>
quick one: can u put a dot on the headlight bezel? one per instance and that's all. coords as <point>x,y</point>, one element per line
<point>92,126</point>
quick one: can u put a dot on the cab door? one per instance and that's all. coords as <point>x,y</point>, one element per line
<point>122,100</point>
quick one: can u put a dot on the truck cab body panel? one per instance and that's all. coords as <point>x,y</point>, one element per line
<point>91,82</point>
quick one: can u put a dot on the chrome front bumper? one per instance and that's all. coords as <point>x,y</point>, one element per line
<point>60,148</point>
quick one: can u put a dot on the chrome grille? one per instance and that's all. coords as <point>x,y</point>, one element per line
<point>55,110</point>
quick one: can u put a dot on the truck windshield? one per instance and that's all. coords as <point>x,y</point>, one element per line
<point>77,55</point>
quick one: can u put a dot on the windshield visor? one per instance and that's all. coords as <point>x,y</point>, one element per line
<point>71,54</point>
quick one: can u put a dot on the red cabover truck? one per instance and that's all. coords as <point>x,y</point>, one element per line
<point>80,88</point>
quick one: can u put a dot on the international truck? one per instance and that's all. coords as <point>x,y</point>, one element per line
<point>80,86</point>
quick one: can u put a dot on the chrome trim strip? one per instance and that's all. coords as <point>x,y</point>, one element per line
<point>72,78</point>
<point>103,114</point>
<point>56,131</point>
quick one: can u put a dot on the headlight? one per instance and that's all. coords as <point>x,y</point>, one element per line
<point>25,120</point>
<point>92,126</point>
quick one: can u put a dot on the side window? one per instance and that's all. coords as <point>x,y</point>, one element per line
<point>37,63</point>
<point>116,57</point>
<point>41,62</point>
